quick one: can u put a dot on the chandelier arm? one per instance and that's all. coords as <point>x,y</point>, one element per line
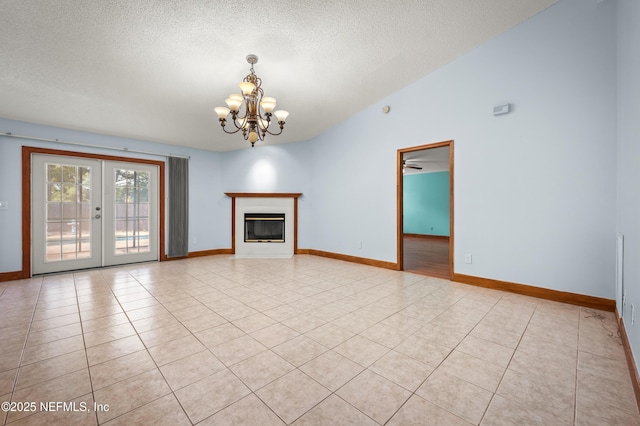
<point>272,133</point>
<point>230,133</point>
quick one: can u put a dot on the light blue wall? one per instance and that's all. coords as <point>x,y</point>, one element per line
<point>629,158</point>
<point>209,218</point>
<point>534,196</point>
<point>271,168</point>
<point>426,203</point>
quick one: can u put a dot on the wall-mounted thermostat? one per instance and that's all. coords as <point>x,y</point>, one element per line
<point>501,109</point>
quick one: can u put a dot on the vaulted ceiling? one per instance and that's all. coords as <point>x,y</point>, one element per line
<point>154,69</point>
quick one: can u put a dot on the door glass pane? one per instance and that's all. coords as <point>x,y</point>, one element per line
<point>54,173</point>
<point>53,241</point>
<point>131,211</point>
<point>68,217</point>
<point>53,192</point>
<point>84,239</point>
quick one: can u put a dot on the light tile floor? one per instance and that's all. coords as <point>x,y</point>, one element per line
<point>303,341</point>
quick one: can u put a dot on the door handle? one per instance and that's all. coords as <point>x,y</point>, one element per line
<point>97,216</point>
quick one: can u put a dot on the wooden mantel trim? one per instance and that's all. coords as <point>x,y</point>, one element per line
<point>263,194</point>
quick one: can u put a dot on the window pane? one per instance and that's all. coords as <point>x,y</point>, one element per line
<point>68,192</point>
<point>84,239</point>
<point>69,211</point>
<point>84,174</point>
<point>54,173</point>
<point>85,193</point>
<point>53,192</point>
<point>53,251</point>
<point>85,211</point>
<point>54,211</point>
<point>69,174</point>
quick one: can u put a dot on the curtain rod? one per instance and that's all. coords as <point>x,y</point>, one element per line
<point>11,135</point>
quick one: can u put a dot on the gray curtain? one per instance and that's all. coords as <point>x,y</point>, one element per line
<point>178,207</point>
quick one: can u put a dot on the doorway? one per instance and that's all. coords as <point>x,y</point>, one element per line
<point>425,239</point>
<point>84,210</point>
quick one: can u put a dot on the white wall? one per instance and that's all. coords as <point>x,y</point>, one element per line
<point>629,157</point>
<point>534,189</point>
<point>204,177</point>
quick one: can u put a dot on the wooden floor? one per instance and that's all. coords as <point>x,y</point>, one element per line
<point>427,255</point>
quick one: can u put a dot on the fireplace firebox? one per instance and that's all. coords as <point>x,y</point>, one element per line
<point>264,227</point>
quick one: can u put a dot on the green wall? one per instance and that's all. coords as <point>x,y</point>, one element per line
<point>426,203</point>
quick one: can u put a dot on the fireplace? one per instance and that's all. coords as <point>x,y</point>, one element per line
<point>264,227</point>
<point>258,225</point>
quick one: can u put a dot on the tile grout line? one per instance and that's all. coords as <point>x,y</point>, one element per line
<point>84,344</point>
<point>507,367</point>
<point>23,350</point>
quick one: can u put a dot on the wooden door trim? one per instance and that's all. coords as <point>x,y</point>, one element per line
<point>400,199</point>
<point>26,195</point>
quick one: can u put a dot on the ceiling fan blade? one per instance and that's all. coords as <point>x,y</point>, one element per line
<point>412,166</point>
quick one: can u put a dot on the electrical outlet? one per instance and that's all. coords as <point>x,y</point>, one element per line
<point>360,245</point>
<point>468,258</point>
<point>4,205</point>
<point>195,241</point>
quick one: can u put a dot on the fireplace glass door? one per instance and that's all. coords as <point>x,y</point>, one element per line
<point>264,227</point>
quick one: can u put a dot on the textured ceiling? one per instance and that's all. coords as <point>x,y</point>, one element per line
<point>431,160</point>
<point>154,69</point>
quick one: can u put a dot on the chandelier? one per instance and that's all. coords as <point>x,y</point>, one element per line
<point>258,109</point>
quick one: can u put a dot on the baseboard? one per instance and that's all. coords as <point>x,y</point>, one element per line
<point>631,362</point>
<point>209,252</point>
<point>427,237</point>
<point>539,292</point>
<point>201,253</point>
<point>10,276</point>
<point>348,258</point>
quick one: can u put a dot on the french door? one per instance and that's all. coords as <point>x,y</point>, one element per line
<point>89,213</point>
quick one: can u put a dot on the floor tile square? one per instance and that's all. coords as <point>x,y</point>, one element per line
<point>381,399</point>
<point>331,369</point>
<point>418,411</point>
<point>299,350</point>
<point>190,369</point>
<point>361,350</point>
<point>283,396</point>
<point>274,335</point>
<point>336,412</point>
<point>402,370</point>
<point>129,394</point>
<point>164,411</point>
<point>455,395</point>
<point>261,369</point>
<point>234,351</point>
<point>247,411</point>
<point>211,394</point>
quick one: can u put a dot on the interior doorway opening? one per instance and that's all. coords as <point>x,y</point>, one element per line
<point>425,237</point>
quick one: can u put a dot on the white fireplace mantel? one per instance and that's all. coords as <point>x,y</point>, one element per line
<point>252,202</point>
